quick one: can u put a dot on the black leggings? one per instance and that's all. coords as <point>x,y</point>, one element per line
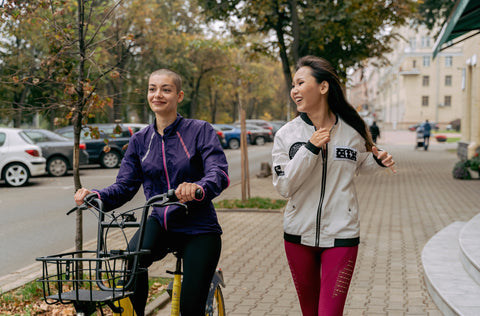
<point>200,258</point>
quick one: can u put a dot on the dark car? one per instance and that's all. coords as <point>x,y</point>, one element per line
<point>232,135</point>
<point>221,136</point>
<point>454,125</point>
<point>106,143</point>
<point>414,127</point>
<point>57,150</point>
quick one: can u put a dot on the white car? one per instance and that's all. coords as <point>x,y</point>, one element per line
<point>20,158</point>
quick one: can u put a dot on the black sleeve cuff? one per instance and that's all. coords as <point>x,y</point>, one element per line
<point>314,149</point>
<point>378,160</point>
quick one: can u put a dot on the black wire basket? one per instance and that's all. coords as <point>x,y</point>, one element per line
<point>83,276</point>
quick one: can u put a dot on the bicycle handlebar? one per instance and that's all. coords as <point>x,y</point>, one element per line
<point>159,200</point>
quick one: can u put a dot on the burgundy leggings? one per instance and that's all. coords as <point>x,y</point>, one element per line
<point>321,276</point>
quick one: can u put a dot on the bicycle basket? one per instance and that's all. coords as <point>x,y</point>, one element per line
<point>83,277</point>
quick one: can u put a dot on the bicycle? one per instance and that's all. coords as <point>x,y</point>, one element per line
<point>92,279</point>
<point>215,303</point>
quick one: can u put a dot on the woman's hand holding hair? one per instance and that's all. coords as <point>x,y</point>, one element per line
<point>385,158</point>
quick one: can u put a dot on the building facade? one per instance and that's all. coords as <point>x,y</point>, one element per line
<point>415,87</point>
<point>470,84</point>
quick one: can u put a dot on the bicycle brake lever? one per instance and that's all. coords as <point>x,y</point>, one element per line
<point>79,207</point>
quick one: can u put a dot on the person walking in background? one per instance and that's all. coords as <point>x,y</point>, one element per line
<point>427,128</point>
<point>315,159</point>
<point>375,132</point>
<point>181,154</point>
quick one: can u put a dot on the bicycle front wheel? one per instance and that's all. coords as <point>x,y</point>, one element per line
<point>218,306</point>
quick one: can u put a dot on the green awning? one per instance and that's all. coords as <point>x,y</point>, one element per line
<point>465,17</point>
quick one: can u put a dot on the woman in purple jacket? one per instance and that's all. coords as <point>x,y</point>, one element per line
<point>181,154</point>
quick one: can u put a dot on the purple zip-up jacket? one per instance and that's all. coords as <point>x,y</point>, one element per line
<point>189,151</point>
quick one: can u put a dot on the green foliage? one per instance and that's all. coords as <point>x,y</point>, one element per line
<point>433,13</point>
<point>255,202</point>
<point>460,171</point>
<point>41,63</point>
<point>474,162</point>
<point>343,32</point>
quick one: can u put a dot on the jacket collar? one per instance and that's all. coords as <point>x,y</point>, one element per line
<point>307,120</point>
<point>172,128</point>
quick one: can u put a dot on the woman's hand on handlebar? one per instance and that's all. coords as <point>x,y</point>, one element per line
<point>80,195</point>
<point>185,192</point>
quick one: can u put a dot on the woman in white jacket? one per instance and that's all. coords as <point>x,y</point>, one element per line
<point>315,159</point>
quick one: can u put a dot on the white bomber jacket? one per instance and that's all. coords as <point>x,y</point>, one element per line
<point>322,210</point>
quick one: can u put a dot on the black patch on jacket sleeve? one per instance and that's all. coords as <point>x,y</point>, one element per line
<point>294,148</point>
<point>279,171</point>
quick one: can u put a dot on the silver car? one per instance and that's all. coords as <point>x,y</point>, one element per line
<point>20,158</point>
<point>58,151</point>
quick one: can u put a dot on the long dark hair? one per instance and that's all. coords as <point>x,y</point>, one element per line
<point>322,70</point>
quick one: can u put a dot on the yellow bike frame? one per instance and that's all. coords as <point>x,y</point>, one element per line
<point>177,286</point>
<point>127,306</point>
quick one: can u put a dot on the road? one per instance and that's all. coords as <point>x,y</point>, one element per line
<point>33,221</point>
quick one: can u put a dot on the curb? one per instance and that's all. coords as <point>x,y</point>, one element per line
<point>159,302</point>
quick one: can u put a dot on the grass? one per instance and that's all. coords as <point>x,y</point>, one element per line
<point>255,202</point>
<point>27,300</point>
<point>453,139</point>
<point>449,138</point>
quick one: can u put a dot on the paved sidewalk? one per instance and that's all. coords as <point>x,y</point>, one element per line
<point>399,214</point>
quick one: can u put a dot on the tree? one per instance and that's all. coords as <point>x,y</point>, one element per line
<point>351,30</point>
<point>433,13</point>
<point>75,61</point>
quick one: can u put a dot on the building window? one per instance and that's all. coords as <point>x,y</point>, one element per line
<point>412,42</point>
<point>425,81</point>
<point>425,100</point>
<point>425,41</point>
<point>414,64</point>
<point>448,100</point>
<point>426,61</point>
<point>448,61</point>
<point>448,81</point>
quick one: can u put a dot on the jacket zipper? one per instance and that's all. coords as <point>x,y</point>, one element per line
<point>322,194</point>
<point>168,183</point>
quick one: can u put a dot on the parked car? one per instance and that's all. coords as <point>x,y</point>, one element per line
<point>277,125</point>
<point>257,135</point>
<point>259,123</point>
<point>58,151</point>
<point>414,127</point>
<point>106,143</point>
<point>454,125</point>
<point>221,136</point>
<point>20,158</point>
<point>232,135</point>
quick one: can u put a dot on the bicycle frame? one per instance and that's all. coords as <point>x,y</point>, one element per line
<point>174,288</point>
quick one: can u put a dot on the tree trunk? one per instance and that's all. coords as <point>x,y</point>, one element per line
<point>78,118</point>
<point>295,30</point>
<point>287,74</point>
